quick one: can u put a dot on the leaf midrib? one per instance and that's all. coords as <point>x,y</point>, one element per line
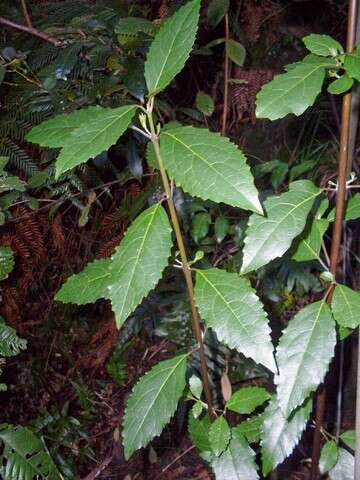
<point>182,358</point>
<point>153,91</point>
<point>277,224</point>
<point>226,303</point>
<point>295,377</point>
<point>288,92</point>
<point>137,258</point>
<point>99,132</point>
<point>218,172</point>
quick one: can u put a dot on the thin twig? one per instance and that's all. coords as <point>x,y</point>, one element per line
<point>184,261</point>
<point>26,13</point>
<point>31,31</point>
<point>337,228</point>
<point>181,455</point>
<point>226,76</point>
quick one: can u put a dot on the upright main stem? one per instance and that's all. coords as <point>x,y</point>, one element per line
<point>338,223</point>
<point>185,267</point>
<point>226,77</point>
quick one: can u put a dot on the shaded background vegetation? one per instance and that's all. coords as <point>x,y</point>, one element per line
<point>71,383</point>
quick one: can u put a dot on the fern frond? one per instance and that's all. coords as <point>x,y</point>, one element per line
<point>10,343</point>
<point>24,456</point>
<point>18,157</point>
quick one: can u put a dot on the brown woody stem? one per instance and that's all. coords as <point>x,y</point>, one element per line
<point>26,13</point>
<point>337,228</point>
<point>185,266</point>
<point>31,31</point>
<point>226,77</point>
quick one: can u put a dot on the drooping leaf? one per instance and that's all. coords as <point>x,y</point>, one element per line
<point>217,9</point>
<point>352,209</point>
<point>82,134</point>
<point>345,306</point>
<point>204,103</point>
<point>309,245</point>
<point>24,456</point>
<point>6,262</point>
<point>247,399</point>
<point>209,166</point>
<point>237,52</point>
<point>270,237</point>
<point>171,47</point>
<point>219,435</point>
<point>328,457</point>
<point>340,85</point>
<point>229,305</point>
<point>11,182</point>
<point>132,271</point>
<point>352,63</point>
<point>280,436</point>
<point>237,462</point>
<point>199,432</point>
<point>200,225</point>
<point>344,468</point>
<point>290,92</point>
<point>221,228</point>
<point>195,385</point>
<point>152,403</point>
<point>349,438</point>
<point>250,428</point>
<point>322,45</point>
<point>10,343</point>
<point>303,354</point>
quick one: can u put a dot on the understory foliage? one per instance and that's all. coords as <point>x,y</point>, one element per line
<point>280,232</point>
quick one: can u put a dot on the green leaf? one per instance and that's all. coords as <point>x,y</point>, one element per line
<point>344,332</point>
<point>6,262</point>
<point>219,435</point>
<point>171,47</point>
<point>341,85</point>
<point>328,457</point>
<point>221,228</point>
<point>270,237</point>
<point>352,63</point>
<point>10,343</point>
<point>322,45</point>
<point>344,468</point>
<point>216,11</point>
<point>309,245</point>
<point>132,271</point>
<point>10,182</point>
<point>152,403</point>
<point>200,226</point>
<point>229,305</point>
<point>199,432</point>
<point>290,92</point>
<point>134,25</point>
<point>352,209</point>
<point>24,456</point>
<point>204,103</point>
<point>345,306</point>
<point>247,399</point>
<point>236,52</point>
<point>303,354</point>
<point>237,462</point>
<point>209,166</point>
<point>195,385</point>
<point>280,436</point>
<point>349,438</point>
<point>250,428</point>
<point>82,134</point>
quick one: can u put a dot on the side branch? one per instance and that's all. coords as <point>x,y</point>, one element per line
<point>26,13</point>
<point>31,30</point>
